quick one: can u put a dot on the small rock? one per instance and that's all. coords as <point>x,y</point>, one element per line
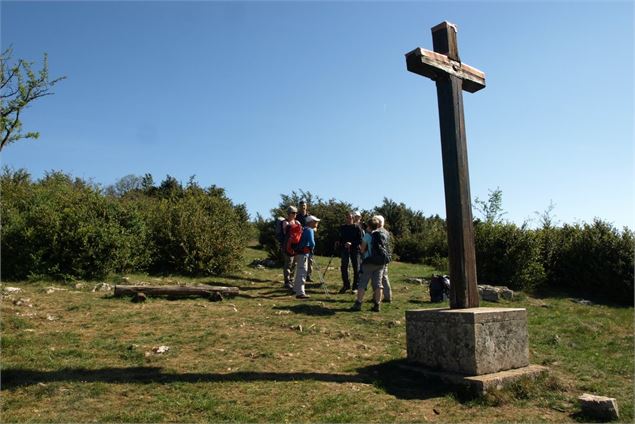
<point>283,312</point>
<point>599,407</point>
<point>50,317</point>
<point>582,302</point>
<point>102,287</point>
<point>139,297</point>
<point>215,297</point>
<point>12,290</point>
<point>23,302</point>
<point>49,290</point>
<point>160,349</point>
<point>79,286</point>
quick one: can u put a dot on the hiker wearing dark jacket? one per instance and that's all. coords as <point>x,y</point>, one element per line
<point>301,217</point>
<point>349,242</point>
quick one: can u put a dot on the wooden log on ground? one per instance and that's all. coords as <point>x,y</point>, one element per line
<point>177,291</point>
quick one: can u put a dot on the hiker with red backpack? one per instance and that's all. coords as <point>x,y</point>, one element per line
<point>304,250</point>
<point>291,230</point>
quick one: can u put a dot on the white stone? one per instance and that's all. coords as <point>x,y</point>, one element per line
<point>600,407</point>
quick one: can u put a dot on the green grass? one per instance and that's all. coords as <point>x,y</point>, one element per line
<point>246,360</point>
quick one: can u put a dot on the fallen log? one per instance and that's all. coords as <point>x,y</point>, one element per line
<point>212,292</point>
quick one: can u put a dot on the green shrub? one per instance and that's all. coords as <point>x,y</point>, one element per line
<point>65,228</point>
<point>196,232</point>
<point>507,254</point>
<point>594,260</point>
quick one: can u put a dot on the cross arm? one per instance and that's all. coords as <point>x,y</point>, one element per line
<point>431,64</point>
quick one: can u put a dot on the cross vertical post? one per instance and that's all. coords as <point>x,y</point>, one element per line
<point>452,77</point>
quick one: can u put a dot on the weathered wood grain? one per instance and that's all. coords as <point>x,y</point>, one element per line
<point>452,77</point>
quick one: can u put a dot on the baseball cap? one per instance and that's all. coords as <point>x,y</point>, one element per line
<point>312,218</point>
<point>356,213</point>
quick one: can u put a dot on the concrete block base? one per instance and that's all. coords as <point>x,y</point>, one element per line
<point>472,342</point>
<point>480,384</point>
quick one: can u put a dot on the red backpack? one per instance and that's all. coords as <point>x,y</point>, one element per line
<point>294,234</point>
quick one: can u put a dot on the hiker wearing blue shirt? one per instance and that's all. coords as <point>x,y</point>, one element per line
<point>301,217</point>
<point>302,257</point>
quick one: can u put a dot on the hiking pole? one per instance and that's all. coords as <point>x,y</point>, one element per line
<point>321,274</point>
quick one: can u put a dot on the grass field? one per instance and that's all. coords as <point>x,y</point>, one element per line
<point>78,355</point>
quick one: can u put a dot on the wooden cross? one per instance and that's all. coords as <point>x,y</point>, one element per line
<point>452,77</point>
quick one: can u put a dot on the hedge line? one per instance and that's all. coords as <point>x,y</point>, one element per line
<point>62,227</point>
<point>594,260</point>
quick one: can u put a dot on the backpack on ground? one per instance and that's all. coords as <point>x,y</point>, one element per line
<point>279,230</point>
<point>294,234</point>
<point>439,288</point>
<point>379,251</point>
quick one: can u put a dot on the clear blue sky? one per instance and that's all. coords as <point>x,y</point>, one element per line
<point>262,98</point>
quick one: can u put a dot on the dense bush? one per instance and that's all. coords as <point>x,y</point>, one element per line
<point>68,228</point>
<point>507,254</point>
<point>65,228</point>
<point>591,259</point>
<point>196,232</point>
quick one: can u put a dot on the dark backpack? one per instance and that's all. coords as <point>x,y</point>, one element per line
<point>294,234</point>
<point>279,231</point>
<point>439,288</point>
<point>380,250</point>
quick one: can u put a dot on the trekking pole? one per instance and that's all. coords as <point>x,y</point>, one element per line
<point>323,274</point>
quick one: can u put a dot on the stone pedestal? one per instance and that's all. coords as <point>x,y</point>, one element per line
<point>468,345</point>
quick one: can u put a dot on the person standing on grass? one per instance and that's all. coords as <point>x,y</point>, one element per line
<point>385,282</point>
<point>349,242</point>
<point>288,260</point>
<point>371,269</point>
<point>301,217</point>
<point>304,252</point>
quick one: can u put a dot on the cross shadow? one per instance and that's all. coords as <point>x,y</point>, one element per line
<point>389,376</point>
<point>309,309</point>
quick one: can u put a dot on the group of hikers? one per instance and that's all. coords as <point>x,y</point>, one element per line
<point>363,245</point>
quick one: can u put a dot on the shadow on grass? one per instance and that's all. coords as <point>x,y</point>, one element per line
<point>238,278</point>
<point>388,376</point>
<point>311,309</point>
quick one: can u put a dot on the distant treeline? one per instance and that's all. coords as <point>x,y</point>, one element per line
<point>594,260</point>
<point>64,227</point>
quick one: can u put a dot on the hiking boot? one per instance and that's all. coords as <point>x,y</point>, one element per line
<point>343,290</point>
<point>357,306</point>
<point>375,307</point>
<point>303,296</point>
